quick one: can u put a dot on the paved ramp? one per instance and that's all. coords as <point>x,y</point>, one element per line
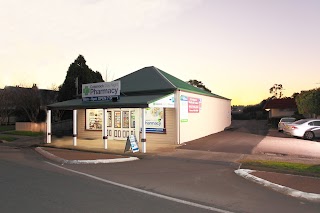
<point>226,141</point>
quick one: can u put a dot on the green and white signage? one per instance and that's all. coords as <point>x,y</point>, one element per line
<point>167,102</point>
<point>101,91</point>
<point>183,108</point>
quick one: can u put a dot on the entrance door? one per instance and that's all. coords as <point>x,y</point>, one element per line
<point>124,123</point>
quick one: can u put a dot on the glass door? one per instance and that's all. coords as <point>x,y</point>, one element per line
<point>124,124</point>
<point>117,125</point>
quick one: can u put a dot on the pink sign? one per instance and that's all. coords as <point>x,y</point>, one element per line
<point>193,105</point>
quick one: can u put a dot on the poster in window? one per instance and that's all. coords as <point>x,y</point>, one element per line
<point>125,119</point>
<point>94,119</point>
<point>109,119</point>
<point>155,119</point>
<point>133,119</point>
<point>117,119</point>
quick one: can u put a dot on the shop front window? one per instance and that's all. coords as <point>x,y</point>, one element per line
<point>125,119</point>
<point>133,119</point>
<point>117,119</point>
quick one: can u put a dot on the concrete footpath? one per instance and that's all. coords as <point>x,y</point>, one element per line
<point>306,188</point>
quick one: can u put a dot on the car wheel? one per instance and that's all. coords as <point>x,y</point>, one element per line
<point>309,135</point>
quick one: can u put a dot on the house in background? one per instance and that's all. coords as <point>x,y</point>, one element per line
<point>284,107</point>
<point>15,100</point>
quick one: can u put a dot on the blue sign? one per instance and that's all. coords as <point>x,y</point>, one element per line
<point>100,98</point>
<point>159,130</point>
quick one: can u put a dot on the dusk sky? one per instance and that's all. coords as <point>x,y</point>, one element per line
<point>237,48</point>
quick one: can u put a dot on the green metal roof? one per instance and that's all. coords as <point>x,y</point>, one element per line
<point>153,80</point>
<point>138,90</point>
<point>141,101</point>
<point>179,84</point>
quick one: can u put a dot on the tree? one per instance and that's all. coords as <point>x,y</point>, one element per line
<point>198,84</point>
<point>276,90</point>
<point>308,102</point>
<point>294,95</point>
<point>27,100</point>
<point>7,107</point>
<point>78,73</point>
<point>56,113</point>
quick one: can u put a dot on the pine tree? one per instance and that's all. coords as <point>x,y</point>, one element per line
<point>78,73</point>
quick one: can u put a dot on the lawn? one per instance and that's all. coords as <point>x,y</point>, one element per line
<point>7,138</point>
<point>24,133</point>
<point>6,128</point>
<point>283,167</point>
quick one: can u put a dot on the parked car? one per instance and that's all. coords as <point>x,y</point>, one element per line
<point>284,121</point>
<point>305,128</point>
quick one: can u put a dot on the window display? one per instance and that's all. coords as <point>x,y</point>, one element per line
<point>117,119</point>
<point>133,119</point>
<point>155,119</point>
<point>125,119</point>
<point>94,119</point>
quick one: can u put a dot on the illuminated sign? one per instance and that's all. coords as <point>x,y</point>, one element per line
<point>102,91</point>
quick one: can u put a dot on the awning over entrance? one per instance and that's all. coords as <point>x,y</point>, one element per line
<point>137,101</point>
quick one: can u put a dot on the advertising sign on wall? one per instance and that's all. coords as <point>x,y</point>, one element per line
<point>154,119</point>
<point>101,91</point>
<point>189,105</point>
<point>183,108</point>
<point>167,102</point>
<point>193,105</point>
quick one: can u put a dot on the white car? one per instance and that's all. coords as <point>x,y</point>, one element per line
<point>305,128</point>
<point>284,121</point>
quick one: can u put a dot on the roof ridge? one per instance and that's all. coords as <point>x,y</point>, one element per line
<point>160,72</point>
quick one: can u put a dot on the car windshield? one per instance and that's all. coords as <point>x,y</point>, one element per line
<point>300,121</point>
<point>288,119</point>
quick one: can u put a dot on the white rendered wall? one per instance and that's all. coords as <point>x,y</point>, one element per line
<point>214,116</point>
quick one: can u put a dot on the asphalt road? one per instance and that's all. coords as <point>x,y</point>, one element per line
<point>36,186</point>
<point>29,184</point>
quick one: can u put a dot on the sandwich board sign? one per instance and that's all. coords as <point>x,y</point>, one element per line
<point>131,144</point>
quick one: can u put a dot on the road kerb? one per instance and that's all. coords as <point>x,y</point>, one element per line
<point>245,173</point>
<point>97,161</point>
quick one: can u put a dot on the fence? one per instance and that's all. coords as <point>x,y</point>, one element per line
<point>57,127</point>
<point>29,126</point>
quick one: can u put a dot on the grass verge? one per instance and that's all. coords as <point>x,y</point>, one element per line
<point>6,128</point>
<point>283,167</point>
<point>24,133</point>
<point>7,138</point>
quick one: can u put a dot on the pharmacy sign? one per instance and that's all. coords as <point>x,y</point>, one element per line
<point>101,91</point>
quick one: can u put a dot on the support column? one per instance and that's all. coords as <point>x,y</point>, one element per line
<point>143,133</point>
<point>75,120</point>
<point>49,126</point>
<point>177,109</point>
<point>105,129</point>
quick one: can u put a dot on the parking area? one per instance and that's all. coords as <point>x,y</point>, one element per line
<point>255,137</point>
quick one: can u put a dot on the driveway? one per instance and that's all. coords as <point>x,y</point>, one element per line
<point>255,137</point>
